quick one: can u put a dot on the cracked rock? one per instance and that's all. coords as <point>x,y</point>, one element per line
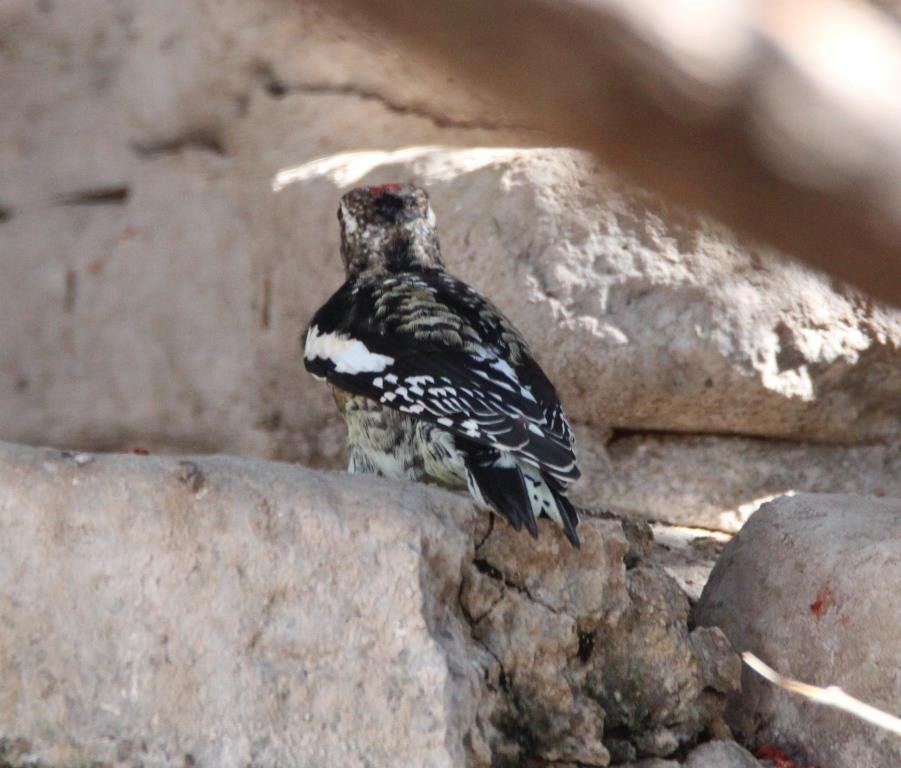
<point>227,612</point>
<point>271,616</point>
<point>593,661</point>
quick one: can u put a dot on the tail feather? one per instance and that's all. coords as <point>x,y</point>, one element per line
<point>569,518</point>
<point>497,482</point>
<point>519,492</point>
<point>548,499</point>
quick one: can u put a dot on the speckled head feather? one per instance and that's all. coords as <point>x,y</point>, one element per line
<point>387,228</point>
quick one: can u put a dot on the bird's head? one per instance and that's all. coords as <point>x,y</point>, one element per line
<point>387,228</point>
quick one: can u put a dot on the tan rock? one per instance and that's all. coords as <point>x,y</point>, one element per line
<point>590,643</point>
<point>227,612</point>
<point>721,754</point>
<point>136,219</point>
<point>713,754</point>
<point>717,482</point>
<point>809,585</point>
<point>648,318</point>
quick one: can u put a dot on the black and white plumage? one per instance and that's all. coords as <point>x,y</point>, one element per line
<point>435,384</point>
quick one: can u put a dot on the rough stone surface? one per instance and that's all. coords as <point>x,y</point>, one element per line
<point>713,754</point>
<point>222,612</point>
<point>232,612</point>
<point>717,482</point>
<point>810,586</point>
<point>612,648</point>
<point>687,554</point>
<point>652,319</point>
<point>136,217</point>
<point>721,754</point>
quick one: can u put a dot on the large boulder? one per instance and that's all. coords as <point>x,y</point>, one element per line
<point>136,157</point>
<point>224,612</point>
<point>227,612</point>
<point>810,585</point>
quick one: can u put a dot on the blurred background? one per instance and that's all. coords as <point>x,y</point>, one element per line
<point>622,179</point>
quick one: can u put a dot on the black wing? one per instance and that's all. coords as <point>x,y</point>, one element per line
<point>426,344</point>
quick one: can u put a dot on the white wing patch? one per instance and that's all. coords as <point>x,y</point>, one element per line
<point>471,427</point>
<point>346,354</point>
<point>482,399</point>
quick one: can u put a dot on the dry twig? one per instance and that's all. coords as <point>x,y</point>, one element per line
<point>831,696</point>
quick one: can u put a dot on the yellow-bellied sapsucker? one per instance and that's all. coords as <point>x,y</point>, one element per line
<point>435,384</point>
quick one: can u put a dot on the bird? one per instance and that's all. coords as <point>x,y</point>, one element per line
<point>434,383</point>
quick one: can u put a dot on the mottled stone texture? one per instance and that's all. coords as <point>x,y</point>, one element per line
<point>228,612</point>
<point>235,612</point>
<point>713,754</point>
<point>613,669</point>
<point>810,585</point>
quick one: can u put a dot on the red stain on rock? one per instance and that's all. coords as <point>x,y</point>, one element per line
<point>140,451</point>
<point>824,601</point>
<point>776,757</point>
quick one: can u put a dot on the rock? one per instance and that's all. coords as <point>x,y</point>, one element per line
<point>653,762</point>
<point>143,80</point>
<point>225,612</point>
<point>219,611</point>
<point>808,585</point>
<point>721,754</point>
<point>134,198</point>
<point>717,482</point>
<point>652,319</point>
<point>582,640</point>
<point>687,554</point>
<point>646,318</point>
<point>713,754</point>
